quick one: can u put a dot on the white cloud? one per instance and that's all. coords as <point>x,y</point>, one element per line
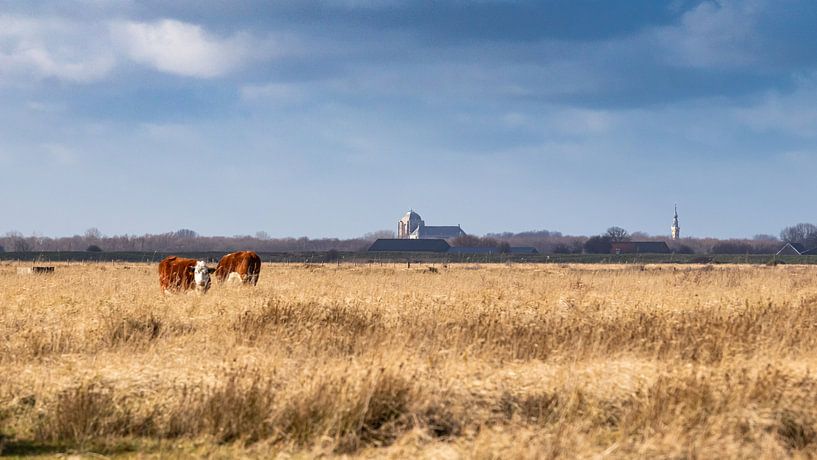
<point>792,114</point>
<point>181,48</point>
<point>87,51</point>
<point>51,48</point>
<point>712,35</point>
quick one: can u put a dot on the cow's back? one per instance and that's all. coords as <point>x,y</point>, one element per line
<point>175,273</point>
<point>246,263</point>
<point>165,267</point>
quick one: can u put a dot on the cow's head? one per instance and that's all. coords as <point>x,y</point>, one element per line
<point>201,275</point>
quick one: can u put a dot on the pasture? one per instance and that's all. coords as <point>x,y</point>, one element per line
<point>464,361</point>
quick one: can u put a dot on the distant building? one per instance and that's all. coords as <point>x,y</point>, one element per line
<point>408,224</point>
<point>475,250</point>
<point>792,249</point>
<point>675,229</point>
<point>472,250</point>
<point>412,226</point>
<point>409,245</point>
<point>639,247</point>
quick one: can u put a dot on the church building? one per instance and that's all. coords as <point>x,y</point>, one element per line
<point>675,229</point>
<point>412,226</point>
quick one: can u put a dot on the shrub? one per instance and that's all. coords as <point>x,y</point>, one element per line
<point>684,249</point>
<point>598,245</point>
<point>731,247</point>
<point>82,413</point>
<point>561,248</point>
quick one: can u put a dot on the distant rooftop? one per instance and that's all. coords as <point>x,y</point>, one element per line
<point>407,245</point>
<point>640,247</point>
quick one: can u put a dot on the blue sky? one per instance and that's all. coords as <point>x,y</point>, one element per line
<point>332,118</point>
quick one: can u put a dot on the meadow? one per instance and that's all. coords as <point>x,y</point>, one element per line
<point>459,361</point>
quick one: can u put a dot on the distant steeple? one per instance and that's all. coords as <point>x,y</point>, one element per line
<point>676,229</point>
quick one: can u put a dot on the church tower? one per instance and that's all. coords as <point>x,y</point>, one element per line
<point>676,229</point>
<point>408,224</point>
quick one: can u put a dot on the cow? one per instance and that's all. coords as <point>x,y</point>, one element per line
<point>246,264</point>
<point>180,274</point>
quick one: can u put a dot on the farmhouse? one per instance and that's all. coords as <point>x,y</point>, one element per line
<point>412,226</point>
<point>639,247</point>
<point>409,245</point>
<point>792,249</point>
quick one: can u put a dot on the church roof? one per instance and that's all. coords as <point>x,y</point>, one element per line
<point>440,231</point>
<point>411,215</point>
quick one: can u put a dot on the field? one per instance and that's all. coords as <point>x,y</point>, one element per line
<point>464,361</point>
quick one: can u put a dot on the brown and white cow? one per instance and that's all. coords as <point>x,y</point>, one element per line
<point>180,274</point>
<point>246,265</point>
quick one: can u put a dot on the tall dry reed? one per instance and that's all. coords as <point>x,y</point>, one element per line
<point>471,361</point>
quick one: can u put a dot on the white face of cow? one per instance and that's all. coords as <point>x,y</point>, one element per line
<point>201,275</point>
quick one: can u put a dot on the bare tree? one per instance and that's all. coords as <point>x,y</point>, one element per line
<point>803,233</point>
<point>475,242</point>
<point>379,234</point>
<point>18,242</point>
<point>466,241</point>
<point>93,234</point>
<point>617,234</point>
<point>731,247</point>
<point>185,233</point>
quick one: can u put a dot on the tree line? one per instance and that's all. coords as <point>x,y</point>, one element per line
<point>550,242</point>
<point>184,240</point>
<point>545,241</point>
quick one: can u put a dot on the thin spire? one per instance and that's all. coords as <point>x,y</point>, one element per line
<point>675,229</point>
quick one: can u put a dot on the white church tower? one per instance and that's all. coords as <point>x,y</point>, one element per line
<point>408,224</point>
<point>676,229</point>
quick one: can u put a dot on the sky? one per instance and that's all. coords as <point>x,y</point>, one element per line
<point>328,118</point>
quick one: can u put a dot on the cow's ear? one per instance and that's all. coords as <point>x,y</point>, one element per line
<point>191,269</point>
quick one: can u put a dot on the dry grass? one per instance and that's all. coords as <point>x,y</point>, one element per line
<point>465,361</point>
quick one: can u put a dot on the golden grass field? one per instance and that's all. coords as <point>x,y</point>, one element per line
<point>491,361</point>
